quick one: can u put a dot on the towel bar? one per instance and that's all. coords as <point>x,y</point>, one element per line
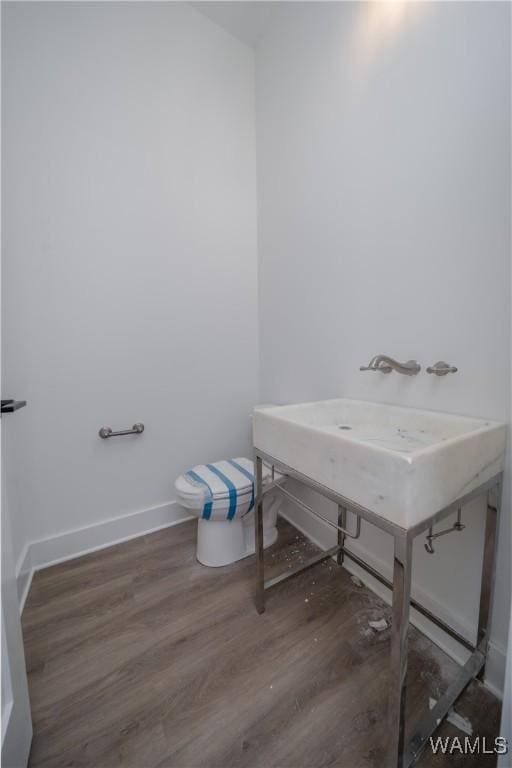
<point>325,520</point>
<point>137,429</point>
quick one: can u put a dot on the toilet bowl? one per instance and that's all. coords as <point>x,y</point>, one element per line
<point>221,496</point>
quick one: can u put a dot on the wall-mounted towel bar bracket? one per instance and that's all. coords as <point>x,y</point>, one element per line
<point>457,526</point>
<point>137,429</point>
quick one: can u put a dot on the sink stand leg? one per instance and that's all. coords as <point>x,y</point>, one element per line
<point>258,536</point>
<point>488,568</point>
<point>342,523</point>
<point>402,566</point>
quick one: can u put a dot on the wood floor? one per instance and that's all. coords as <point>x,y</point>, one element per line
<point>140,657</point>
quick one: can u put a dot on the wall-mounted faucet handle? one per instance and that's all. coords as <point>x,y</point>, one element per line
<point>441,368</point>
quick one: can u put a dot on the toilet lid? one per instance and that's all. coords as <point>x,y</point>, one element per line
<point>219,480</point>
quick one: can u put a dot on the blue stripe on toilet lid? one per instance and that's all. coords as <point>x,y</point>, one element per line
<point>249,476</point>
<point>207,509</point>
<point>231,488</point>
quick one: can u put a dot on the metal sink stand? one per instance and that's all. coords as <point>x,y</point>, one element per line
<point>399,753</point>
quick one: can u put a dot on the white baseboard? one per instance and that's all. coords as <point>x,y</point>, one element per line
<point>23,582</point>
<point>496,657</point>
<point>6,716</point>
<point>91,538</point>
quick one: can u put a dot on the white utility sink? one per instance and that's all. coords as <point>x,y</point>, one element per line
<point>401,463</point>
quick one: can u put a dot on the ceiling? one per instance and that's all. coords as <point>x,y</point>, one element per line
<point>244,19</point>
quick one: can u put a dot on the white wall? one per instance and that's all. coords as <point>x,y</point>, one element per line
<point>129,254</point>
<point>383,146</point>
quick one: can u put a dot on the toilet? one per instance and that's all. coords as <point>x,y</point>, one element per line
<point>221,495</point>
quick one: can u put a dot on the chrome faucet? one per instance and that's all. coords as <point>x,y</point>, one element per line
<point>386,364</point>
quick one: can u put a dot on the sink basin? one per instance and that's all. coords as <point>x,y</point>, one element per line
<point>401,463</point>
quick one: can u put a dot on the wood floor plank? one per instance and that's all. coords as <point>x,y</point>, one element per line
<point>138,656</point>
